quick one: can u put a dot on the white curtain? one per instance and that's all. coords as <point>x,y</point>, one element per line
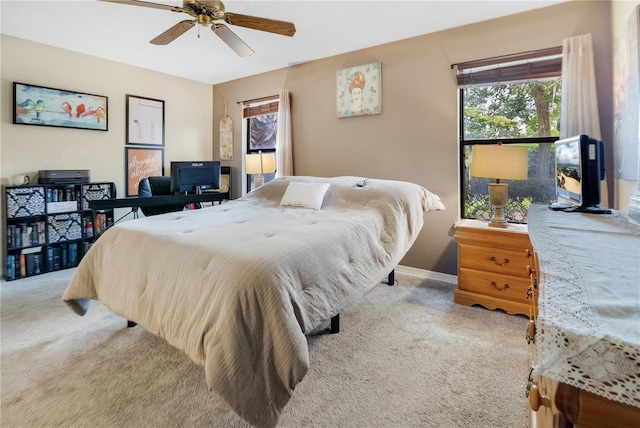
<point>284,165</point>
<point>579,108</point>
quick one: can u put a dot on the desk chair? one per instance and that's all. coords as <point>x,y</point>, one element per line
<point>156,186</point>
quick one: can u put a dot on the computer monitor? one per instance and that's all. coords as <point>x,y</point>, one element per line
<point>580,166</point>
<point>194,176</point>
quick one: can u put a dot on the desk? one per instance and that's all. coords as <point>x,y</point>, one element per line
<point>154,201</point>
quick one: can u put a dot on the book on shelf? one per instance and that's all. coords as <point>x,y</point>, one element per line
<point>29,264</point>
<point>64,252</point>
<point>11,230</point>
<point>23,266</point>
<point>54,258</point>
<point>11,267</point>
<point>73,255</point>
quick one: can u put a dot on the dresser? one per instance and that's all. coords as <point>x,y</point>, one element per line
<point>494,266</point>
<point>584,336</point>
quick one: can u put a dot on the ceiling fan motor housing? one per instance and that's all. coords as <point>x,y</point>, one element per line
<point>204,11</point>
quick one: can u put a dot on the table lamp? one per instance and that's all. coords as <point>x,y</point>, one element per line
<point>502,162</point>
<point>258,164</point>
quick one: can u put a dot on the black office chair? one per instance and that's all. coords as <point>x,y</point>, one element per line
<point>156,186</point>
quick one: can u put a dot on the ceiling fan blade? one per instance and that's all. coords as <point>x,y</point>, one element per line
<point>147,4</point>
<point>173,33</point>
<point>231,39</point>
<point>263,24</point>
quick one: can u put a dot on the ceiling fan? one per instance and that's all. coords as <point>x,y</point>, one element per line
<point>206,13</point>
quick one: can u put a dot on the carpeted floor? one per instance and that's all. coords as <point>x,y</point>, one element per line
<point>406,356</point>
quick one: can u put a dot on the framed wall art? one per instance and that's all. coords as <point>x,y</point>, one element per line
<point>145,121</point>
<point>359,90</point>
<point>39,105</point>
<point>142,162</point>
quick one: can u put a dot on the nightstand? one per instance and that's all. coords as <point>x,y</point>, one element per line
<point>494,266</point>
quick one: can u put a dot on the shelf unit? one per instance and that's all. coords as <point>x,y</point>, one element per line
<point>49,227</point>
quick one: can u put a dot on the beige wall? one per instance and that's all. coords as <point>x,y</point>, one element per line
<point>27,149</point>
<point>416,136</point>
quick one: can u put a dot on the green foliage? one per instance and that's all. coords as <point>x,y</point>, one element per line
<point>512,110</point>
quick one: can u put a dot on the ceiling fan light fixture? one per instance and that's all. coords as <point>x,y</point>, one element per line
<point>203,19</point>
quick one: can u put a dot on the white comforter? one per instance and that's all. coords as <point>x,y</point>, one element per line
<point>236,286</point>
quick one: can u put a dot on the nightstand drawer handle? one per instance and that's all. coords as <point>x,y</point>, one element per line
<point>494,285</point>
<point>493,259</point>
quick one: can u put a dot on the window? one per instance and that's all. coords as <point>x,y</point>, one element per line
<point>513,100</point>
<point>262,128</point>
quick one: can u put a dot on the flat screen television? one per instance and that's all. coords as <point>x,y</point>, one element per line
<point>580,166</point>
<point>194,176</point>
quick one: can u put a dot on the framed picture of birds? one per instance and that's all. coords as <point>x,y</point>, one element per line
<point>42,106</point>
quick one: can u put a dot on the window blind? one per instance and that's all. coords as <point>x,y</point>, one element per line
<point>259,107</point>
<point>540,64</point>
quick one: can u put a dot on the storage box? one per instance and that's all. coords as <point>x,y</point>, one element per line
<point>25,201</point>
<point>64,227</point>
<point>62,207</point>
<point>96,191</point>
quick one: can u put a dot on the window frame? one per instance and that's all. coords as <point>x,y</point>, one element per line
<point>526,66</point>
<point>255,108</point>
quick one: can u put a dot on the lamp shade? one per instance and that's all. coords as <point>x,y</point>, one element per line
<point>253,164</point>
<point>500,161</point>
<point>260,163</point>
<point>268,162</point>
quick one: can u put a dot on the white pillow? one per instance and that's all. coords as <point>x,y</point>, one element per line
<point>305,195</point>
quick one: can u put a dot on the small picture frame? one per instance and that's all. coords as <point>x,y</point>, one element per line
<point>145,121</point>
<point>142,162</point>
<point>359,90</point>
<point>42,106</point>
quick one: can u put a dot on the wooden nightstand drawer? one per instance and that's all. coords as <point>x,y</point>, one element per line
<point>507,262</point>
<point>494,284</point>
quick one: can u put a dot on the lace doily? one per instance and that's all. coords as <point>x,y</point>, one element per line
<point>588,328</point>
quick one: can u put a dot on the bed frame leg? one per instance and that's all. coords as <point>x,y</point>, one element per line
<point>131,324</point>
<point>392,278</point>
<point>335,324</point>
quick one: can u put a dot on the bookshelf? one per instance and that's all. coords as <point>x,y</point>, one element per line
<point>50,227</point>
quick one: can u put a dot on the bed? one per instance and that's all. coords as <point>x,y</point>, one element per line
<point>237,286</point>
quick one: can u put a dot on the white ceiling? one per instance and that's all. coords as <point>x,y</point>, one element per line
<point>324,28</point>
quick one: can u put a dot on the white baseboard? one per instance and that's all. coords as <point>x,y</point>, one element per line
<point>427,274</point>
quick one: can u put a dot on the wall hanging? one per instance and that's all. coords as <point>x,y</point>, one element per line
<point>142,163</point>
<point>39,105</point>
<point>145,121</point>
<point>359,90</point>
<point>226,136</point>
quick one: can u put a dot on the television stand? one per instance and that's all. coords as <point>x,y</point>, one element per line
<point>569,208</point>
